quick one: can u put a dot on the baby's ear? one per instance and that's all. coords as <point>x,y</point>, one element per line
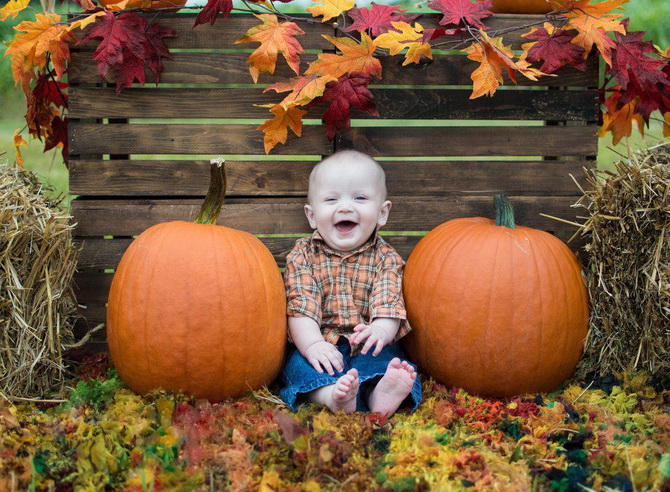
<point>309,213</point>
<point>384,213</point>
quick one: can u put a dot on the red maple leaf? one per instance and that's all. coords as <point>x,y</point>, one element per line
<point>130,70</point>
<point>350,89</point>
<point>212,9</point>
<point>556,49</point>
<point>58,135</point>
<point>463,12</point>
<point>630,60</point>
<point>117,34</point>
<point>156,47</point>
<point>378,18</point>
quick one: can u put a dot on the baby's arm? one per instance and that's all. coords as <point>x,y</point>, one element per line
<point>307,337</point>
<point>379,333</point>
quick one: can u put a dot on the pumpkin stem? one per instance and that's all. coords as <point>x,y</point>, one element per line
<point>211,207</point>
<point>504,211</point>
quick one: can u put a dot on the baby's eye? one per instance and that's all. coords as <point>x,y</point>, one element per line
<point>361,197</point>
<point>330,199</point>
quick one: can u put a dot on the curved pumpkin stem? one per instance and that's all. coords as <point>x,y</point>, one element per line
<point>211,207</point>
<point>504,212</point>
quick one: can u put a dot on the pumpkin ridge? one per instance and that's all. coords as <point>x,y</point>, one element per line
<point>251,247</point>
<point>538,276</point>
<point>490,358</point>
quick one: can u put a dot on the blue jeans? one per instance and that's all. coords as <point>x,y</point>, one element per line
<point>299,376</point>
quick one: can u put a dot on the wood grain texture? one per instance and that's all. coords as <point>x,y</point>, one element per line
<point>97,218</point>
<point>103,102</point>
<point>188,139</point>
<point>409,141</point>
<point>232,68</point>
<point>282,178</point>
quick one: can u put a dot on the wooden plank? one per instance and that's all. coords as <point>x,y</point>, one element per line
<point>411,141</point>
<point>189,139</point>
<point>103,102</point>
<point>282,178</point>
<point>472,141</point>
<point>97,218</point>
<point>232,68</point>
<point>224,32</point>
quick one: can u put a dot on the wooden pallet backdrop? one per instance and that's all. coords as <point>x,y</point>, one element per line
<point>130,172</point>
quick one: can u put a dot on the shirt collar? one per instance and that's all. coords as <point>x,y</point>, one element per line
<point>318,239</point>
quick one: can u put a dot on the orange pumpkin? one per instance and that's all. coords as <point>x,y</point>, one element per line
<point>148,4</point>
<point>197,307</point>
<point>496,309</point>
<point>522,6</point>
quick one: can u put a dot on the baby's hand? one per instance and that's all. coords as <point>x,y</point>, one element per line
<point>375,335</point>
<point>324,354</point>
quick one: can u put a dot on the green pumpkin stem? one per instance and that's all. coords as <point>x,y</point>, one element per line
<point>211,207</point>
<point>504,211</point>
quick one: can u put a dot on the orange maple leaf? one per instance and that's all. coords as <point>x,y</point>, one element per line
<point>274,37</point>
<point>593,22</point>
<point>666,124</point>
<point>493,57</point>
<point>620,122</point>
<point>355,57</point>
<point>303,89</point>
<point>18,142</point>
<point>29,47</point>
<point>276,129</point>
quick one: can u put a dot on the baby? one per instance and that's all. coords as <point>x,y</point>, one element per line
<point>344,288</point>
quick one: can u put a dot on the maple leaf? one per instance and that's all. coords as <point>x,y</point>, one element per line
<point>463,11</point>
<point>349,90</point>
<point>156,47</point>
<point>330,8</point>
<point>276,129</point>
<point>274,38</point>
<point>593,22</point>
<point>116,34</point>
<point>86,21</point>
<point>630,60</point>
<point>355,57</point>
<point>18,142</point>
<point>303,89</point>
<point>493,57</point>
<point>666,124</point>
<point>12,8</point>
<point>377,18</point>
<point>57,136</point>
<point>619,119</point>
<point>556,49</point>
<point>28,50</point>
<point>212,9</point>
<point>121,5</point>
<point>405,36</point>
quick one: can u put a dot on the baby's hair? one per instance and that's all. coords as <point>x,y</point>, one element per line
<point>351,156</point>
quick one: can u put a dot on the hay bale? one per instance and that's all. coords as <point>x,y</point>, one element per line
<point>628,229</point>
<point>37,303</point>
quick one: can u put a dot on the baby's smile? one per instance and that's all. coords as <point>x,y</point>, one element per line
<point>345,226</point>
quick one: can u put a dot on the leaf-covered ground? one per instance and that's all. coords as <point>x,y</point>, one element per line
<point>614,434</point>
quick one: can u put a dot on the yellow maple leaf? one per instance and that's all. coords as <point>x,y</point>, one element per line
<point>330,8</point>
<point>393,41</point>
<point>593,22</point>
<point>29,47</point>
<point>82,23</point>
<point>13,7</point>
<point>121,4</point>
<point>303,89</point>
<point>18,142</point>
<point>493,58</point>
<point>666,125</point>
<point>355,57</point>
<point>276,129</point>
<point>274,38</point>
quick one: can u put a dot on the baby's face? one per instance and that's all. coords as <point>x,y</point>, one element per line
<point>347,203</point>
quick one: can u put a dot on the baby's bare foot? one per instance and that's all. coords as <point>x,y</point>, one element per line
<point>344,393</point>
<point>392,388</point>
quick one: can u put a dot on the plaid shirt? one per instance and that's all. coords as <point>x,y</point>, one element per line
<point>341,290</point>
